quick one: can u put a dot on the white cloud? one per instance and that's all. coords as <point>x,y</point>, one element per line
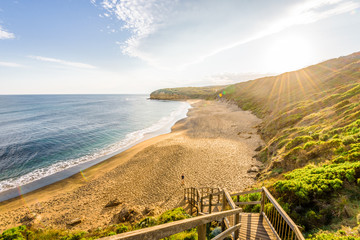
<point>63,62</point>
<point>10,64</point>
<point>174,34</point>
<point>5,34</point>
<point>140,17</point>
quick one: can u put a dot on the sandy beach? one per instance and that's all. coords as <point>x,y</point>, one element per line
<point>213,146</point>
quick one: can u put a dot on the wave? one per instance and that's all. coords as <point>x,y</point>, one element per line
<point>129,140</point>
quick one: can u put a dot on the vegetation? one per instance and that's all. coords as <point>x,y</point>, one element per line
<point>311,123</point>
<point>29,233</point>
<point>312,129</point>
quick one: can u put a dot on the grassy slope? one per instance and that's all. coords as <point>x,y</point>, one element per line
<point>312,129</point>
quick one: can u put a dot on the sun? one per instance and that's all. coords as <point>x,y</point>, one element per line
<point>289,53</point>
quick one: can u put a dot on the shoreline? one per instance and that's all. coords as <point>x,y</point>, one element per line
<point>210,145</point>
<point>81,167</point>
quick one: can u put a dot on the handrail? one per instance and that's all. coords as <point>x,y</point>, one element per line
<point>219,194</point>
<point>246,192</point>
<point>168,229</point>
<point>280,223</point>
<point>225,233</point>
<point>284,215</point>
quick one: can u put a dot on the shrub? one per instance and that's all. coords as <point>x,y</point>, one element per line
<point>297,141</point>
<point>302,185</point>
<point>121,229</point>
<point>215,232</point>
<point>354,156</point>
<point>146,222</point>
<point>186,235</point>
<point>13,233</point>
<point>339,159</point>
<point>309,145</point>
<point>341,104</point>
<point>324,137</point>
<point>283,142</point>
<point>249,198</point>
<point>348,140</point>
<point>173,215</point>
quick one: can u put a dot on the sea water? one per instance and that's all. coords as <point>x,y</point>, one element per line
<point>45,138</point>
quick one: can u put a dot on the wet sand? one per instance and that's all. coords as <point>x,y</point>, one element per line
<point>212,147</point>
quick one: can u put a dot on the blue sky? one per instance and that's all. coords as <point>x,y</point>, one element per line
<point>137,46</point>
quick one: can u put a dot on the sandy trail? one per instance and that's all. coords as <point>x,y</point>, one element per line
<point>212,147</point>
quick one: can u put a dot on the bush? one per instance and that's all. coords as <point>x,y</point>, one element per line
<point>332,236</point>
<point>13,233</point>
<point>186,235</point>
<point>348,140</point>
<point>146,222</point>
<point>173,215</point>
<point>297,141</point>
<point>309,145</point>
<point>121,229</point>
<point>302,185</point>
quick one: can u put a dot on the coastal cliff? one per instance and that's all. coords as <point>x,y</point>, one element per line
<point>186,93</point>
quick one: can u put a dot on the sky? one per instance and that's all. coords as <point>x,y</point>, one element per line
<point>138,46</point>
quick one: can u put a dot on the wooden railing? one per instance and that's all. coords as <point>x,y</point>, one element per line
<point>280,223</point>
<point>168,229</point>
<point>210,197</point>
<point>196,198</point>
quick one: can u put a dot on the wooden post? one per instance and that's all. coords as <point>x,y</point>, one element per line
<point>262,201</point>
<point>201,232</point>
<point>236,234</point>
<point>202,204</point>
<point>191,206</point>
<point>223,209</point>
<point>184,193</point>
<point>210,200</point>
<point>197,202</point>
<point>223,201</point>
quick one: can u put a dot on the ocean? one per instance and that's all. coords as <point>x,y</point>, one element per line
<point>46,138</point>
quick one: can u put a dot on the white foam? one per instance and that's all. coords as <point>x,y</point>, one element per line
<point>130,139</point>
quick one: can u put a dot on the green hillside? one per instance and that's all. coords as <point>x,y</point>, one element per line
<point>311,124</point>
<point>312,129</point>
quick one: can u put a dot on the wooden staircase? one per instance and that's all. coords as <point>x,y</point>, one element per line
<point>271,222</point>
<point>215,204</point>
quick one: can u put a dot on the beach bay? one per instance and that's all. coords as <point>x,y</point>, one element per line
<point>213,146</point>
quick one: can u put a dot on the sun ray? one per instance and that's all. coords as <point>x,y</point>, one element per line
<point>275,82</point>
<point>306,74</point>
<point>297,77</point>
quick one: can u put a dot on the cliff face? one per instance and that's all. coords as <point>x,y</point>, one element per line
<point>186,93</point>
<point>162,95</point>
